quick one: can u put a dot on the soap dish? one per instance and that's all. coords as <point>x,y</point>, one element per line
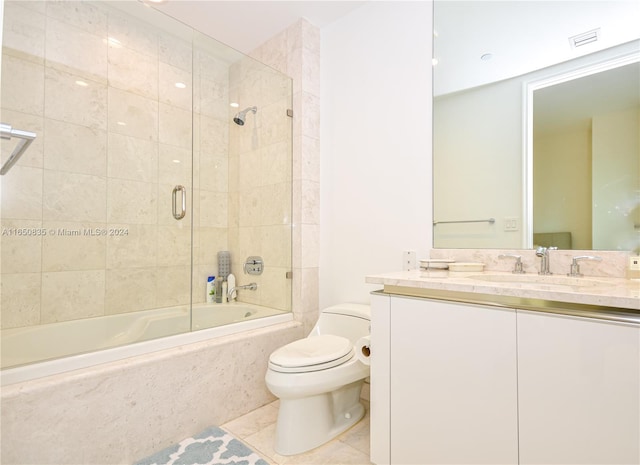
<point>435,263</point>
<point>466,266</point>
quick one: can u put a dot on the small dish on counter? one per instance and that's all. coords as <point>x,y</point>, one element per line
<point>435,263</point>
<point>466,266</point>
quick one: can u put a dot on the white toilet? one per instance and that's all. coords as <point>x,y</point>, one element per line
<point>318,380</point>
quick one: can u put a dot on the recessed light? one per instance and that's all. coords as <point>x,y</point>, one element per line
<point>434,61</point>
<point>176,161</point>
<point>234,104</point>
<point>486,57</point>
<point>121,123</point>
<point>82,83</point>
<point>180,85</point>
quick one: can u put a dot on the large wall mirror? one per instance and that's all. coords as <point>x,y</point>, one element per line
<point>537,124</point>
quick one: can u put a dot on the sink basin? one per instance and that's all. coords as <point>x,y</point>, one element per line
<point>540,281</point>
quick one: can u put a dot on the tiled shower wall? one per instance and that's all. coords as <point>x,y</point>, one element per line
<point>114,137</point>
<point>260,192</point>
<point>296,52</point>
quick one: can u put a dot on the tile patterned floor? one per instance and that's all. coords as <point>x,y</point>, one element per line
<point>257,430</point>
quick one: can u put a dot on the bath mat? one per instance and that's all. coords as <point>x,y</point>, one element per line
<point>214,446</point>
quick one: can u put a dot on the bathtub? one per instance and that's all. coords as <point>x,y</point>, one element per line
<point>33,352</point>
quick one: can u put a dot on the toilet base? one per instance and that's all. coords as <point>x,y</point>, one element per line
<point>308,422</point>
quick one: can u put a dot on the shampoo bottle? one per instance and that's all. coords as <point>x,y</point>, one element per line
<point>211,289</point>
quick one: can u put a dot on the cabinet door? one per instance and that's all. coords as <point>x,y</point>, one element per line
<point>453,383</point>
<point>578,390</point>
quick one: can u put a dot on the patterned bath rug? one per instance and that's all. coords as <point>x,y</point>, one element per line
<point>214,446</point>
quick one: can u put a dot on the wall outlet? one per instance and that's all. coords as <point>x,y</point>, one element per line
<point>634,263</point>
<point>510,223</point>
<point>408,260</point>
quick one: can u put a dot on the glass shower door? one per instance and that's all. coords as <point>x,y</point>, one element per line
<point>96,214</point>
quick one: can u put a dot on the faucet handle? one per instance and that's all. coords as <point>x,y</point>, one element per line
<point>518,265</point>
<point>575,268</point>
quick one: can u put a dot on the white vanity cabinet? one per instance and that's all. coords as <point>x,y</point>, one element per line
<point>451,385</point>
<point>475,384</point>
<point>578,390</point>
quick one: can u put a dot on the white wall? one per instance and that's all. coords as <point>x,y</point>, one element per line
<point>375,178</point>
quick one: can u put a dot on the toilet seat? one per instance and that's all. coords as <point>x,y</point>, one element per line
<point>312,354</point>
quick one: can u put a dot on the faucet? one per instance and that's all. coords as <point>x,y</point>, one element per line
<point>543,252</point>
<point>575,268</point>
<point>250,286</point>
<point>518,265</point>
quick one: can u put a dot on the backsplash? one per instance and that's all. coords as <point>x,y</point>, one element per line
<point>613,264</point>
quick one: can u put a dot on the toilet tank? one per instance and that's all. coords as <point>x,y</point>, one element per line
<point>347,320</point>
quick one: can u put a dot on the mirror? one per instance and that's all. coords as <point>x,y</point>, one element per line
<point>495,81</point>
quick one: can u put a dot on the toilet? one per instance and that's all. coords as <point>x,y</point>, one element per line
<point>318,380</point>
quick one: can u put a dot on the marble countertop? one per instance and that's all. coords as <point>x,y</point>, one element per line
<point>611,292</point>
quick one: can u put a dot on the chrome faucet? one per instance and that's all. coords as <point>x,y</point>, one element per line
<point>575,268</point>
<point>250,286</point>
<point>517,269</point>
<point>543,253</point>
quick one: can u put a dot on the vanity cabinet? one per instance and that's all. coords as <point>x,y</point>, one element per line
<point>475,384</point>
<point>578,390</point>
<point>452,383</point>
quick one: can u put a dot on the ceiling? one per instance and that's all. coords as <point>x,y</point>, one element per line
<point>244,25</point>
<point>521,36</point>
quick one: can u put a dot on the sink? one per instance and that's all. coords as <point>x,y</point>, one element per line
<point>542,281</point>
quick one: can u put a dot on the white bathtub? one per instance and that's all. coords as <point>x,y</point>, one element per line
<point>32,352</point>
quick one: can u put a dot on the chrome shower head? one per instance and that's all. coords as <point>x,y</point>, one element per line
<point>240,116</point>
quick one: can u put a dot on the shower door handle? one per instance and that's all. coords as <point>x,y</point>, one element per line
<point>178,213</point>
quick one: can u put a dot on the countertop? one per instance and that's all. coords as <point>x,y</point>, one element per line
<point>616,293</point>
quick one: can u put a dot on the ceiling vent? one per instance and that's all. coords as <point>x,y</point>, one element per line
<point>584,38</point>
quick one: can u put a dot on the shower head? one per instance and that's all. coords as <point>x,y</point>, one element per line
<point>240,116</point>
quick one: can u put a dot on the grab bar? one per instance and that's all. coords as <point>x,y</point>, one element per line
<point>7,132</point>
<point>490,220</point>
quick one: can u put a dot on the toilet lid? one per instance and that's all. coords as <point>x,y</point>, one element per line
<point>312,353</point>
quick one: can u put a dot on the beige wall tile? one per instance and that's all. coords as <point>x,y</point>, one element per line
<point>132,115</point>
<point>278,209</point>
<point>174,244</point>
<point>65,100</point>
<point>133,34</point>
<point>175,126</point>
<point>138,249</point>
<point>173,286</point>
<point>175,51</point>
<point>76,51</point>
<point>131,202</point>
<point>74,148</point>
<point>213,137</point>
<point>21,294</point>
<point>69,295</point>
<point>133,72</point>
<point>23,33</point>
<point>89,17</point>
<point>213,173</point>
<point>73,246</point>
<point>132,158</point>
<point>130,290</point>
<point>18,202</point>
<point>210,241</point>
<point>276,245</point>
<point>174,165</point>
<point>171,94</point>
<point>74,197</point>
<point>21,246</point>
<point>213,209</point>
<point>22,86</point>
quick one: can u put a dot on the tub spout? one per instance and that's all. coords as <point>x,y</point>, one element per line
<point>250,286</point>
